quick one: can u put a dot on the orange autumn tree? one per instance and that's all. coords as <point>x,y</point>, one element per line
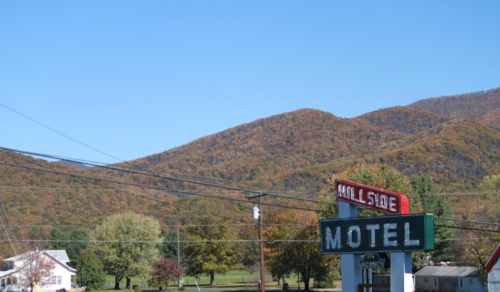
<point>35,266</point>
<point>296,248</point>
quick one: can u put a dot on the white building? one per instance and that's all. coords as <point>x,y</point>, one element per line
<point>22,267</point>
<point>493,268</point>
<point>442,278</point>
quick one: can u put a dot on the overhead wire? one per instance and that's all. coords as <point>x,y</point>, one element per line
<point>60,133</point>
<point>176,179</point>
<point>179,191</point>
<point>150,187</point>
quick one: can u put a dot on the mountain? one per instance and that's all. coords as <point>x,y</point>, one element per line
<point>454,139</point>
<point>267,147</point>
<point>483,106</point>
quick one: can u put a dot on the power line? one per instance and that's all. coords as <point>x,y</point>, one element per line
<point>60,133</point>
<point>469,221</point>
<point>175,178</point>
<point>467,228</point>
<point>150,187</point>
<point>77,141</point>
<point>189,192</point>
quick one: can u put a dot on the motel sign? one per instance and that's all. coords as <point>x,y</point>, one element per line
<point>371,197</point>
<point>357,239</point>
<point>377,234</point>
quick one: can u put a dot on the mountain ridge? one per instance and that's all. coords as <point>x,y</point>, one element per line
<point>295,151</point>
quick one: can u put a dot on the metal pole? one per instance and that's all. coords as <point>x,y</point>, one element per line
<point>261,248</point>
<point>178,258</point>
<point>178,249</point>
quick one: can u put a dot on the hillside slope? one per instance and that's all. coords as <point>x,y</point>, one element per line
<point>297,151</point>
<point>483,106</point>
<point>268,147</point>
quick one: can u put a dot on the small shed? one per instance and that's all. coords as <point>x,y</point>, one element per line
<point>493,268</point>
<point>445,278</point>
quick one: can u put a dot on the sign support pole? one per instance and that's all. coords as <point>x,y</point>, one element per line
<point>401,272</point>
<point>350,272</point>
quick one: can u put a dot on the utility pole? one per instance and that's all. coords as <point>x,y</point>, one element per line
<point>257,213</point>
<point>178,257</point>
<point>261,248</point>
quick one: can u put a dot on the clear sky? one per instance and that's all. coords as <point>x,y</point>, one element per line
<point>134,78</point>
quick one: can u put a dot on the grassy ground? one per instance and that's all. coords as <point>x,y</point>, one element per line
<point>233,280</point>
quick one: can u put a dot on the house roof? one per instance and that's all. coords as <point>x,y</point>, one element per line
<point>493,258</point>
<point>60,255</point>
<point>438,271</point>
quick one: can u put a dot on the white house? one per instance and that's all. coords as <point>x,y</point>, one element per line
<point>493,268</point>
<point>445,278</point>
<point>23,268</point>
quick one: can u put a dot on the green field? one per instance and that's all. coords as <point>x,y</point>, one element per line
<point>233,280</point>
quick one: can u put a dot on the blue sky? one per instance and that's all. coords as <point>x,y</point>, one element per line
<point>134,78</point>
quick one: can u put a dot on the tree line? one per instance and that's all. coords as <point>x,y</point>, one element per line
<point>130,245</point>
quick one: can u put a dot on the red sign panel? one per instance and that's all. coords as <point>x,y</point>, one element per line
<point>371,197</point>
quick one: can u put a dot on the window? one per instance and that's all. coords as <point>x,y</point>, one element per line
<point>55,280</point>
<point>435,282</point>
<point>461,284</point>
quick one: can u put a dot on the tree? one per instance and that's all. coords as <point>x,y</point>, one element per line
<point>73,244</point>
<point>296,248</point>
<point>127,245</point>
<point>477,241</point>
<point>78,243</point>
<point>58,239</point>
<point>440,206</point>
<point>490,183</point>
<point>169,247</point>
<point>90,270</point>
<point>209,252</point>
<point>165,270</point>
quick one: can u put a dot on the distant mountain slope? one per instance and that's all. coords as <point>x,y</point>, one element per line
<point>270,146</point>
<point>457,154</point>
<point>404,119</point>
<point>37,197</point>
<point>298,150</point>
<point>483,106</point>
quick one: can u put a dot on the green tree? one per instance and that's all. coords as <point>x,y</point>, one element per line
<point>73,244</point>
<point>490,183</point>
<point>58,239</point>
<point>90,270</point>
<point>209,252</point>
<point>127,244</point>
<point>169,247</point>
<point>78,243</point>
<point>440,206</point>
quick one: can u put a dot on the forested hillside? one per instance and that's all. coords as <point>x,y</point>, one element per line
<point>483,106</point>
<point>453,139</point>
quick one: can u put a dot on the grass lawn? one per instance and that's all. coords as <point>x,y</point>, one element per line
<point>233,280</point>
